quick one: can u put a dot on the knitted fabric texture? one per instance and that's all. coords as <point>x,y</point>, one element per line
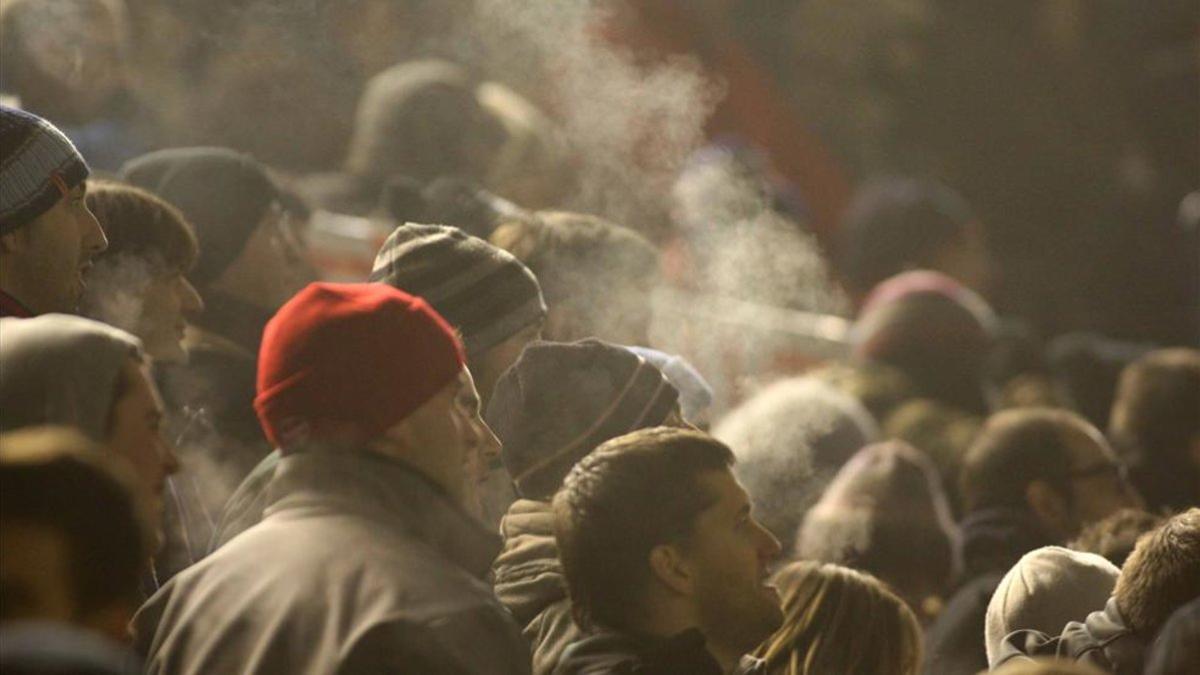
<point>342,363</point>
<point>38,166</point>
<point>482,290</point>
<point>559,401</point>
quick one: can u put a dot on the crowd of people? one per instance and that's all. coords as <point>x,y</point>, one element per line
<point>411,412</point>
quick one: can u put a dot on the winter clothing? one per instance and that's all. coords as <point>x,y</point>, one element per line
<point>993,540</point>
<point>885,513</point>
<point>559,401</point>
<point>612,653</point>
<point>46,648</point>
<point>790,439</point>
<point>1176,648</point>
<point>60,369</point>
<point>245,506</point>
<point>695,394</point>
<point>223,193</point>
<point>1044,591</point>
<point>38,166</point>
<point>345,362</point>
<point>1102,640</point>
<point>933,329</point>
<point>373,569</point>
<point>528,579</point>
<point>482,290</point>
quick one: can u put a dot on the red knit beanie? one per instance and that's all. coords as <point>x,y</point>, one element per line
<point>345,362</point>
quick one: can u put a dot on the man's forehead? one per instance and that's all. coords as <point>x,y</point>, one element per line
<point>725,490</point>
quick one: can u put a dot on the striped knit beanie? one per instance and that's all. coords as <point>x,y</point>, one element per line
<point>483,291</point>
<point>561,400</point>
<point>38,167</point>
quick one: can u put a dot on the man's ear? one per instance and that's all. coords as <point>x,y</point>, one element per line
<point>1049,507</point>
<point>671,569</point>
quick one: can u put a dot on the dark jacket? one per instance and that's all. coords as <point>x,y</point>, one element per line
<point>607,652</point>
<point>360,565</point>
<point>1103,640</point>
<point>49,648</point>
<point>528,579</point>
<point>993,541</point>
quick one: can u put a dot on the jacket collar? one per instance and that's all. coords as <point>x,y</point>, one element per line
<point>385,490</point>
<point>528,576</point>
<point>994,539</point>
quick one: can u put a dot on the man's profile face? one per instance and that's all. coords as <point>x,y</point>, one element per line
<point>731,552</point>
<point>51,254</point>
<point>1099,486</point>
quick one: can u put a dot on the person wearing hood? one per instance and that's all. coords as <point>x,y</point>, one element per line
<point>1161,576</point>
<point>665,565</point>
<point>48,237</point>
<point>376,563</point>
<point>790,439</point>
<point>556,404</point>
<point>78,373</point>
<point>1047,588</point>
<point>885,513</point>
<point>1033,478</point>
<point>74,543</point>
<point>487,295</point>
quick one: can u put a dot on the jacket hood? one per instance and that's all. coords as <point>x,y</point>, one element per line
<point>528,576</point>
<point>1103,640</point>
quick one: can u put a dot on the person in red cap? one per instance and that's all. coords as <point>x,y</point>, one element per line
<point>368,559</point>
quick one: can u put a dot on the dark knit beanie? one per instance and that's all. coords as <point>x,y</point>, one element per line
<point>223,193</point>
<point>38,166</point>
<point>482,290</point>
<point>342,363</point>
<point>561,400</point>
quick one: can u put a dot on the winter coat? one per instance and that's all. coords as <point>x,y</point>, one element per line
<point>360,565</point>
<point>993,541</point>
<point>529,581</point>
<point>612,653</point>
<point>1103,640</point>
<point>245,506</point>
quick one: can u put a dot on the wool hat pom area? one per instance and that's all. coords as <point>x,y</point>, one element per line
<point>342,363</point>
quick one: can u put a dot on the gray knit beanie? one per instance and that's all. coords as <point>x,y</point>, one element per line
<point>61,370</point>
<point>38,166</point>
<point>481,290</point>
<point>561,400</point>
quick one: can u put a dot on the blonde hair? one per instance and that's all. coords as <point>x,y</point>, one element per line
<point>838,620</point>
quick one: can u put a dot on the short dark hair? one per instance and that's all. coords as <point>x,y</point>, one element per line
<point>1114,537</point>
<point>55,478</point>
<point>631,494</point>
<point>896,224</point>
<point>1015,448</point>
<point>1154,421</point>
<point>1161,575</point>
<point>140,224</point>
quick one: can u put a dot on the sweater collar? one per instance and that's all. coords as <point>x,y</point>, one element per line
<point>384,490</point>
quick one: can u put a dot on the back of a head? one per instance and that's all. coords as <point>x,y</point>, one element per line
<point>1045,590</point>
<point>886,513</point>
<point>936,331</point>
<point>895,225</point>
<point>54,481</point>
<point>1156,427</point>
<point>1116,536</point>
<point>790,438</point>
<point>837,620</point>
<point>422,119</point>
<point>1161,575</point>
<point>1015,448</point>
<point>139,224</point>
<point>599,271</point>
<point>631,494</point>
<point>560,401</point>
